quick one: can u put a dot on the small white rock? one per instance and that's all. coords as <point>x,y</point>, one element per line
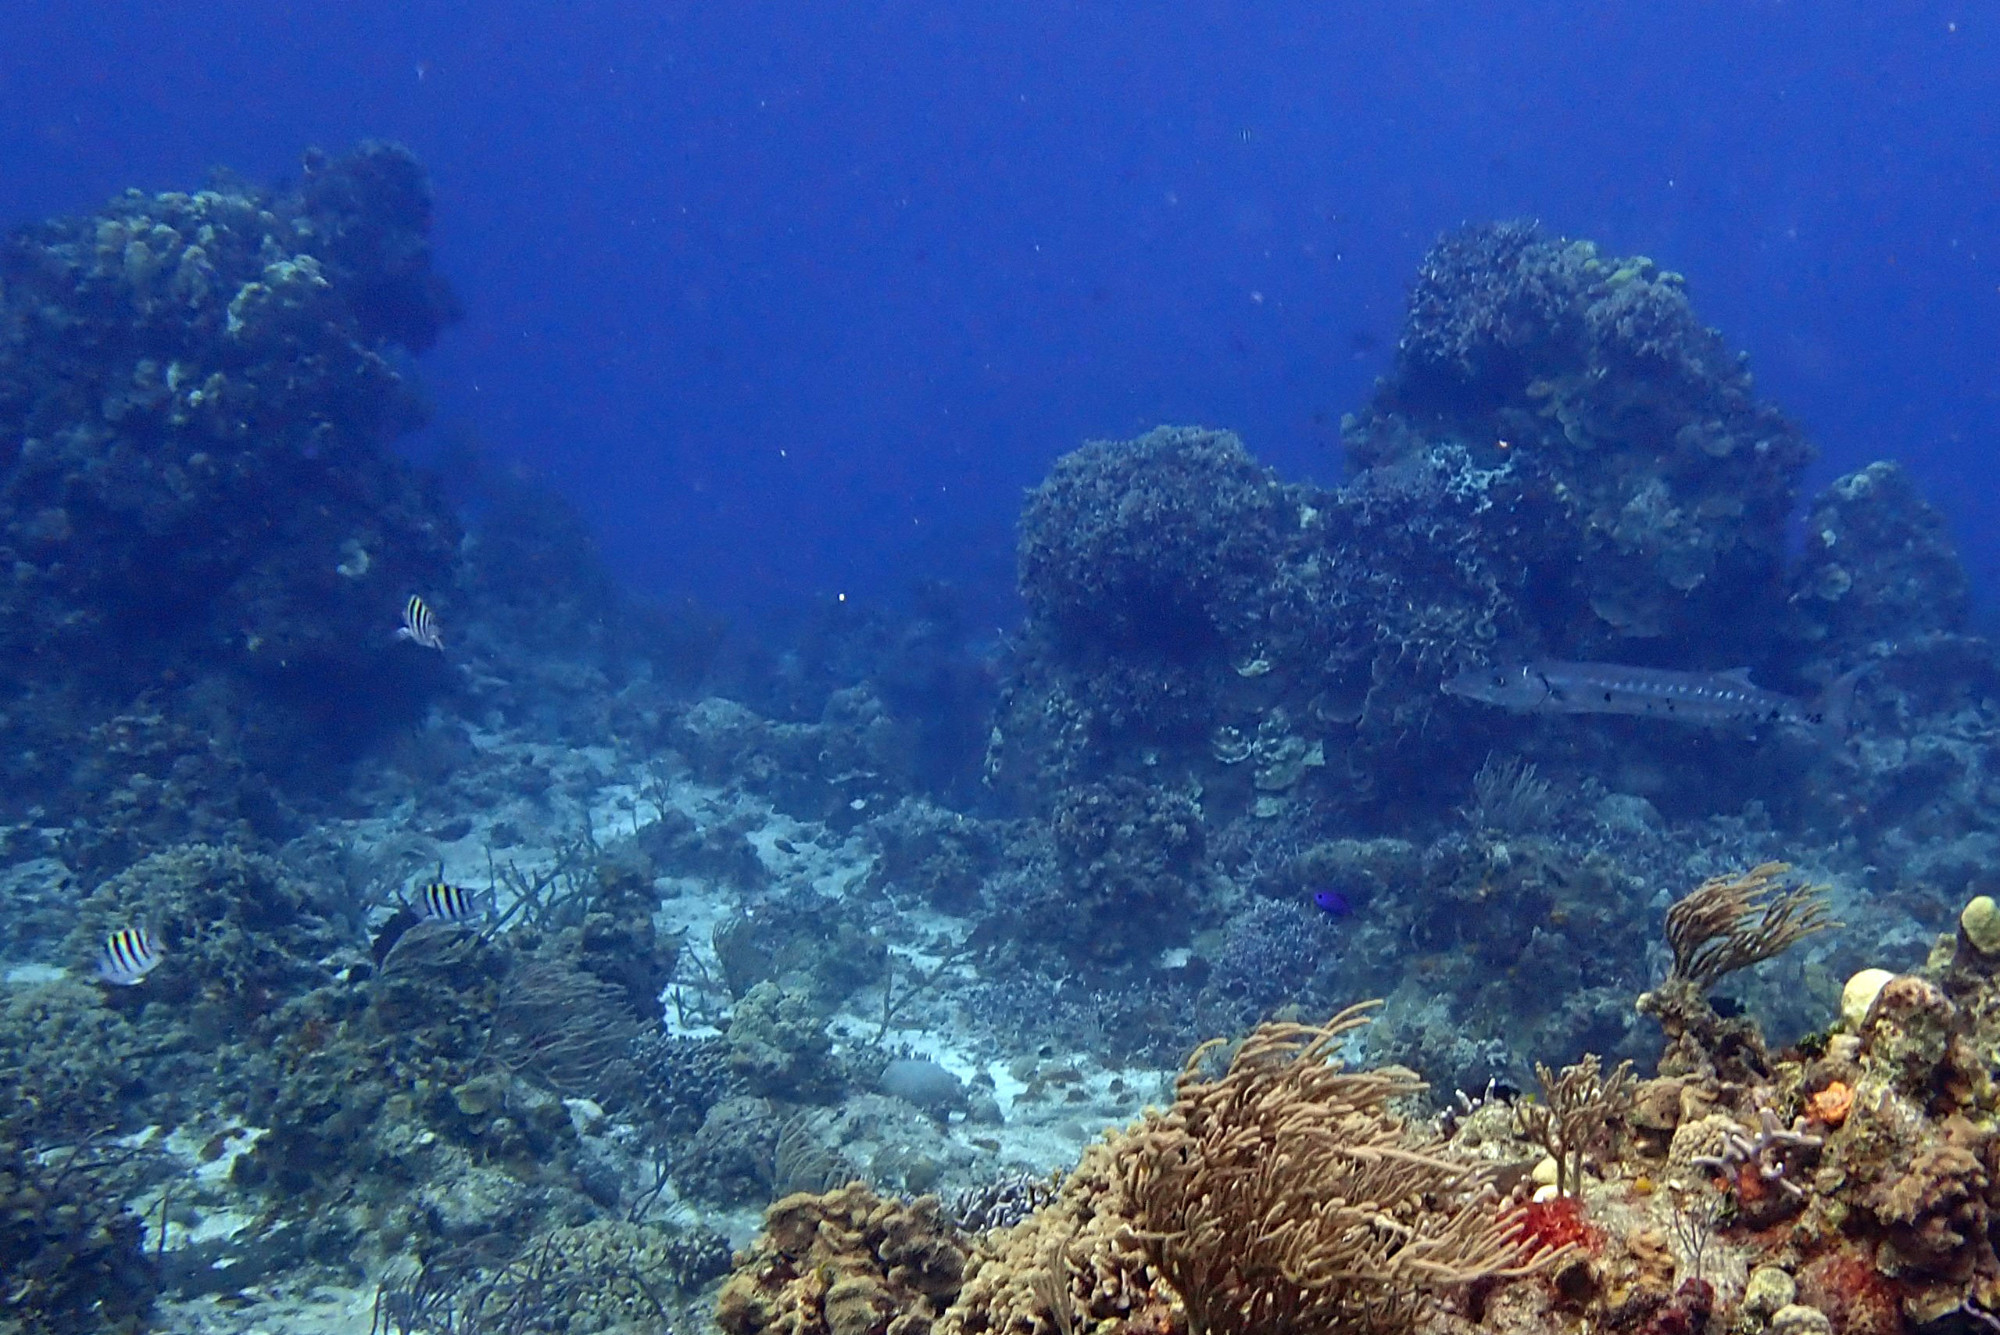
<point>584,1115</point>
<point>1797,1319</point>
<point>1860,994</point>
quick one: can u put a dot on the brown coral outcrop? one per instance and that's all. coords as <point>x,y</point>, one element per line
<point>1936,1211</point>
<point>1070,1266</point>
<point>845,1263</point>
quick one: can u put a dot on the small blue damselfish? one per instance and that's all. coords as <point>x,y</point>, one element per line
<point>1333,903</point>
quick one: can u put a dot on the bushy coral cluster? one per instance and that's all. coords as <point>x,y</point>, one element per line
<point>1164,541</point>
<point>1281,1196</point>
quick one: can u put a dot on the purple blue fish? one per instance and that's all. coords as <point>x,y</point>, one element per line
<point>1333,903</point>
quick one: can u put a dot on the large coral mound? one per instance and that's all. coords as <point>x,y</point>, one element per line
<point>1163,541</point>
<point>195,395</point>
<point>1594,376</point>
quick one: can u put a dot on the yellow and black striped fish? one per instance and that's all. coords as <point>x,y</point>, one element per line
<point>420,624</point>
<point>129,954</point>
<point>443,902</point>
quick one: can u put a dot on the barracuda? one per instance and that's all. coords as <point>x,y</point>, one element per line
<point>1714,698</point>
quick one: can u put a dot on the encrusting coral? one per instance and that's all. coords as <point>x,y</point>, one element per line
<point>846,1262</point>
<point>1072,1265</point>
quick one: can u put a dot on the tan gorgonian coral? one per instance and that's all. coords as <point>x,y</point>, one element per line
<point>1285,1196</point>
<point>1724,924</point>
<point>1732,922</point>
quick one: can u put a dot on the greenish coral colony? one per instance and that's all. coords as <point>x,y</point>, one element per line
<point>882,916</point>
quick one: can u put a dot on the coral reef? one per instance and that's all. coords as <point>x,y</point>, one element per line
<point>1281,1195</point>
<point>1075,1260</point>
<point>241,936</point>
<point>1850,1187</point>
<point>1127,854</point>
<point>1223,789</point>
<point>603,1276</point>
<point>1164,542</point>
<point>208,537</point>
<point>1879,564</point>
<point>1564,463</point>
<point>1725,924</point>
<point>1573,368</point>
<point>68,1246</point>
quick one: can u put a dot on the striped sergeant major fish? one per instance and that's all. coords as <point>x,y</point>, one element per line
<point>420,624</point>
<point>129,954</point>
<point>1549,686</point>
<point>440,901</point>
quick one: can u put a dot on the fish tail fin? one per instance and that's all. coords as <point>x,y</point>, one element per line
<point>1833,713</point>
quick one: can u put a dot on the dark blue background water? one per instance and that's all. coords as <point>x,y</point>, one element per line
<point>794,298</point>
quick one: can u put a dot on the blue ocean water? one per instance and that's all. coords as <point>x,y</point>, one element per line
<point>790,298</point>
<point>750,742</point>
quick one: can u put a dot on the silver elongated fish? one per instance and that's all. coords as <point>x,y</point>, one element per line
<point>1551,686</point>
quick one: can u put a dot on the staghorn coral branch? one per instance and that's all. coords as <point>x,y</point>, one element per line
<point>1732,922</point>
<point>1770,1147</point>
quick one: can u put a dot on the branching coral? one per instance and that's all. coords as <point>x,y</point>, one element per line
<point>1285,1196</point>
<point>1766,1157</point>
<point>1575,1115</point>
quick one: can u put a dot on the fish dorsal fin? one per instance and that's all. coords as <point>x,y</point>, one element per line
<point>1739,675</point>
